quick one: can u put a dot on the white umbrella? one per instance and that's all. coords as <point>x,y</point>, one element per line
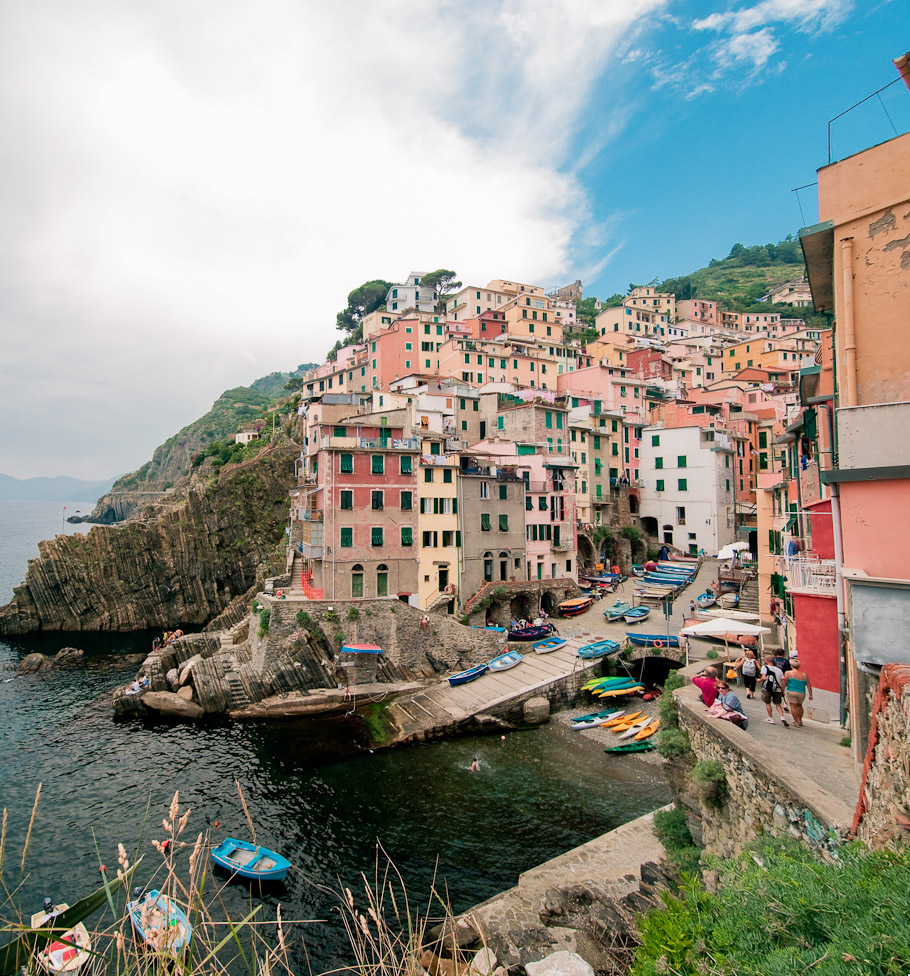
<point>730,614</point>
<point>728,552</point>
<point>724,627</point>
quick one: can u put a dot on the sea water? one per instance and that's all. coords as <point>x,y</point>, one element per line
<point>313,792</point>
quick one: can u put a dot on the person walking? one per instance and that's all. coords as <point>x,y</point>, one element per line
<point>749,667</point>
<point>772,689</point>
<point>796,685</point>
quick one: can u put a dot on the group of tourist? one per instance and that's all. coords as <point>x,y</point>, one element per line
<point>784,685</point>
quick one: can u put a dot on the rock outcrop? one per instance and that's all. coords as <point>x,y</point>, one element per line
<point>214,542</point>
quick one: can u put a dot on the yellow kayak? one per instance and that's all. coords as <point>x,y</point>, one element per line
<point>621,720</point>
<point>648,730</point>
<point>614,692</point>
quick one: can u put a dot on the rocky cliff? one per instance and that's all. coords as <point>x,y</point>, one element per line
<point>182,563</point>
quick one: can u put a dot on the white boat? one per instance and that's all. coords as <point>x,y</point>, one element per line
<point>69,950</point>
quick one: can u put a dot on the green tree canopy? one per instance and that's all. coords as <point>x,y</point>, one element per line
<point>362,300</point>
<point>443,282</point>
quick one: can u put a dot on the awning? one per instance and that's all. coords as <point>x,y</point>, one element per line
<point>818,250</point>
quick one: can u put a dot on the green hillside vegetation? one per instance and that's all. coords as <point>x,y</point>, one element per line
<point>212,435</point>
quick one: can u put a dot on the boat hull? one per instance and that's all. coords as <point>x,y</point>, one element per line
<point>599,649</point>
<point>631,747</point>
<point>160,923</point>
<point>549,645</point>
<point>653,640</point>
<point>463,677</point>
<point>636,615</point>
<point>249,861</point>
<point>572,608</point>
<point>530,633</point>
<point>506,661</point>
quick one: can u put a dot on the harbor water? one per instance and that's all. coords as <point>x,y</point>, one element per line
<point>313,791</point>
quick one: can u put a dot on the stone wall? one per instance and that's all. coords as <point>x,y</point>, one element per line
<point>882,816</point>
<point>764,794</point>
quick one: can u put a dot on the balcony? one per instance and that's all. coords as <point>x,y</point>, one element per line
<point>809,573</point>
<point>389,443</point>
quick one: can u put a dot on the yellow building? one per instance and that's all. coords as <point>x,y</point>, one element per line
<point>438,534</point>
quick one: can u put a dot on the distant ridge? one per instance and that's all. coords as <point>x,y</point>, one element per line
<point>59,489</point>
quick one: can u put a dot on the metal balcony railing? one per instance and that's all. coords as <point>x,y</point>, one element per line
<point>805,572</point>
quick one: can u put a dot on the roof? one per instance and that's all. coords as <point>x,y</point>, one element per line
<point>818,249</point>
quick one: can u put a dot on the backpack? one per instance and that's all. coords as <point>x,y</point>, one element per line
<point>771,682</point>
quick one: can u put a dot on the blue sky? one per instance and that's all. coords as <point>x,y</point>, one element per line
<point>188,192</point>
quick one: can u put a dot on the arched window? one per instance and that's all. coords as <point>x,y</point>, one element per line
<point>488,567</point>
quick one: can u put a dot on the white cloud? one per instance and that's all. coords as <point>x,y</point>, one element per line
<point>751,50</point>
<point>185,186</point>
<point>803,14</point>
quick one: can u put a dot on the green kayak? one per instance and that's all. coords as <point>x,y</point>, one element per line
<point>643,746</point>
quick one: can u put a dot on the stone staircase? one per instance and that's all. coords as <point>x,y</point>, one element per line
<point>749,597</point>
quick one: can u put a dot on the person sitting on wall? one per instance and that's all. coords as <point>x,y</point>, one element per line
<point>706,682</point>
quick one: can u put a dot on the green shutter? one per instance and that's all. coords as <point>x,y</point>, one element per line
<point>405,464</point>
<point>347,538</point>
<point>347,463</point>
<point>376,536</point>
<point>407,538</point>
<point>485,525</point>
<point>378,464</point>
<point>503,523</point>
<point>683,484</point>
<point>660,485</point>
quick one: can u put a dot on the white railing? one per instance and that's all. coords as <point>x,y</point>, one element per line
<point>809,573</point>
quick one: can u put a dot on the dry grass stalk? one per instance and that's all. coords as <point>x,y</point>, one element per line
<point>31,824</point>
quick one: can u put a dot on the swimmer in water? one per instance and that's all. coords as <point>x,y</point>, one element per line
<point>474,766</point>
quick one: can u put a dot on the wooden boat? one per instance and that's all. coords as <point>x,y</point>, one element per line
<point>728,600</point>
<point>621,719</point>
<point>599,718</point>
<point>598,649</point>
<point>636,614</point>
<point>648,730</point>
<point>631,747</point>
<point>250,861</point>
<point>549,645</point>
<point>159,922</point>
<point>67,952</point>
<point>572,608</point>
<point>463,677</point>
<point>617,610</point>
<point>505,661</point>
<point>530,633</point>
<point>653,640</point>
<point>705,600</point>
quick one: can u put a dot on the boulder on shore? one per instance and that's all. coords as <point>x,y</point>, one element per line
<point>172,705</point>
<point>35,662</point>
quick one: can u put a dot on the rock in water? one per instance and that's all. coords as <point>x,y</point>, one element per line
<point>172,705</point>
<point>35,662</point>
<point>69,655</point>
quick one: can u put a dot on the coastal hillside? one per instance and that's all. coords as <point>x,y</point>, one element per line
<point>183,563</point>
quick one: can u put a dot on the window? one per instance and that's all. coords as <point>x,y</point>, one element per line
<point>682,484</point>
<point>681,461</point>
<point>549,419</point>
<point>347,500</point>
<point>376,501</point>
<point>429,540</point>
<point>341,432</point>
<point>503,523</point>
<point>485,525</point>
<point>658,463</point>
<point>376,535</point>
<point>503,492</point>
<point>680,515</point>
<point>347,537</point>
<point>404,464</point>
<point>448,539</point>
<point>529,503</point>
<point>484,489</point>
<point>377,462</point>
<point>406,501</point>
<point>447,476</point>
<point>407,535</point>
<point>347,463</point>
<point>542,503</point>
<point>428,475</point>
<point>500,423</point>
<point>659,485</point>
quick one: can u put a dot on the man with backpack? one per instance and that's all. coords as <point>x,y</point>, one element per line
<point>772,689</point>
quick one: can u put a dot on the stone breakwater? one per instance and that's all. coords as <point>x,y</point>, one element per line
<point>215,543</point>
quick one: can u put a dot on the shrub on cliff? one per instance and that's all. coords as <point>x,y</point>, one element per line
<point>781,910</point>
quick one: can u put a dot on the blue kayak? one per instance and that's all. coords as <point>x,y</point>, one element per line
<point>250,860</point>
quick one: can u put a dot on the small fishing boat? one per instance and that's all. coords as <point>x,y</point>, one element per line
<point>361,649</point>
<point>463,677</point>
<point>631,747</point>
<point>506,661</point>
<point>728,600</point>
<point>653,640</point>
<point>598,719</point>
<point>636,614</point>
<point>549,645</point>
<point>617,611</point>
<point>495,630</point>
<point>159,922</point>
<point>705,600</point>
<point>598,649</point>
<point>250,861</point>
<point>530,633</point>
<point>67,952</point>
<point>572,608</point>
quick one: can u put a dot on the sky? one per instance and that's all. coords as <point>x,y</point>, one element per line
<point>188,191</point>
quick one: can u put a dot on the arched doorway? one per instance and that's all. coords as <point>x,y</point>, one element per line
<point>357,582</point>
<point>503,565</point>
<point>633,504</point>
<point>586,553</point>
<point>382,580</point>
<point>488,567</point>
<point>649,526</point>
<point>548,603</point>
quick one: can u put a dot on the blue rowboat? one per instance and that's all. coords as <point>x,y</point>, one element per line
<point>506,661</point>
<point>550,644</point>
<point>706,599</point>
<point>598,649</point>
<point>572,608</point>
<point>463,677</point>
<point>530,633</point>
<point>617,610</point>
<point>636,614</point>
<point>250,860</point>
<point>159,922</point>
<point>653,640</point>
